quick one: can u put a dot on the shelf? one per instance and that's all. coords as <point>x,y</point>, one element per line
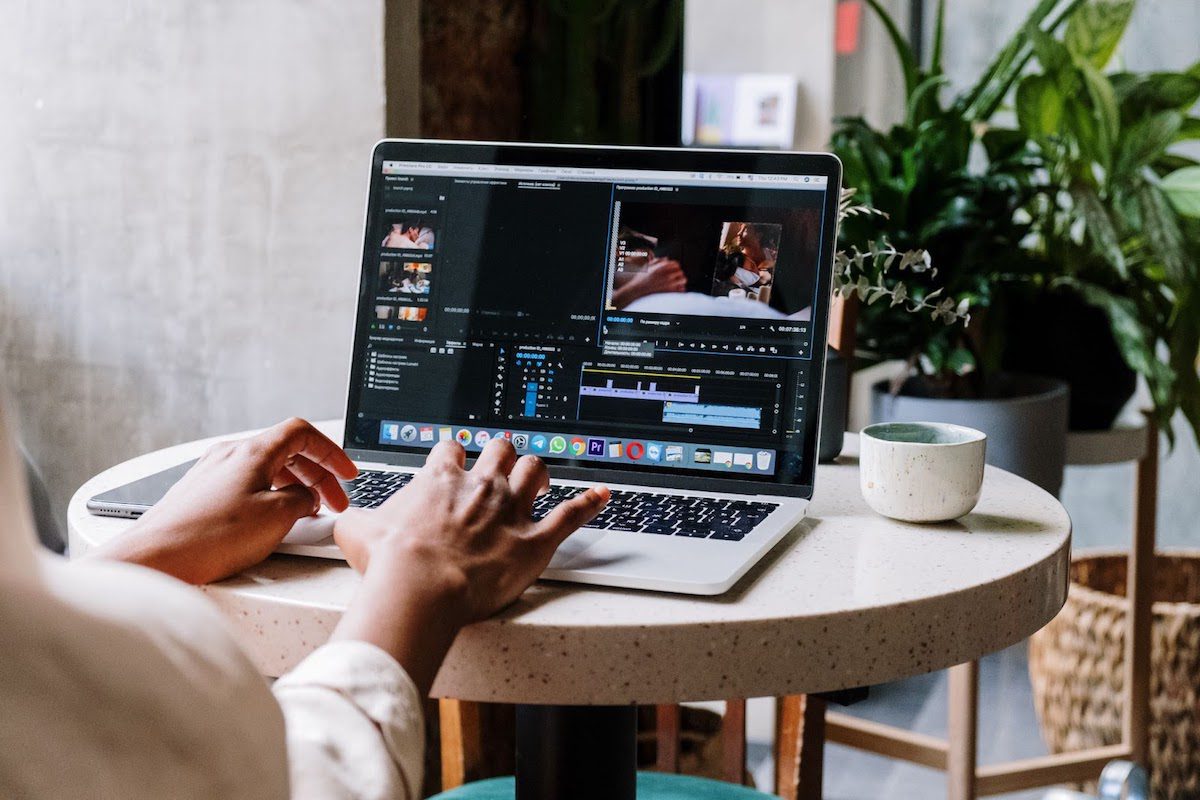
<point>1124,442</point>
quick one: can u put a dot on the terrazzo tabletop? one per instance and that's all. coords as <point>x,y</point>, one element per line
<point>848,598</point>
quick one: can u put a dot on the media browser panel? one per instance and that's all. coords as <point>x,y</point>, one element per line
<point>644,310</point>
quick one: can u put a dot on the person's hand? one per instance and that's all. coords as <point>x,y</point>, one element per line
<point>451,547</point>
<point>231,509</point>
<point>662,275</point>
<point>474,527</point>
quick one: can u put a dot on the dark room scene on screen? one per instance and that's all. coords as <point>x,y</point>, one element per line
<point>714,260</point>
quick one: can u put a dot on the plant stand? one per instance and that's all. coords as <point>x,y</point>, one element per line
<point>1130,441</point>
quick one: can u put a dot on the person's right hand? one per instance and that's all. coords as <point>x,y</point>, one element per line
<point>662,275</point>
<point>452,547</point>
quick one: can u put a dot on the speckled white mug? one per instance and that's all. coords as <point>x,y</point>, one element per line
<point>921,471</point>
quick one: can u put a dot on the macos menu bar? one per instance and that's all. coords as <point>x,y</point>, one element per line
<point>651,176</point>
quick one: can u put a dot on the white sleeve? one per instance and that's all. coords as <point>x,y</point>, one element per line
<point>355,729</point>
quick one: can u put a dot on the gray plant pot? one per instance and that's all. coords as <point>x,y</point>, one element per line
<point>1025,422</point>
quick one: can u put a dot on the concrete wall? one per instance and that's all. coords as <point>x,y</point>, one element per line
<point>180,216</point>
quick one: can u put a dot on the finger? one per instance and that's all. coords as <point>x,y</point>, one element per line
<point>321,480</point>
<point>285,478</point>
<point>497,458</point>
<point>298,437</point>
<point>451,453</point>
<point>290,504</point>
<point>568,517</point>
<point>528,478</point>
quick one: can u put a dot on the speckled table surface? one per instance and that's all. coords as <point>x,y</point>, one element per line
<point>848,598</point>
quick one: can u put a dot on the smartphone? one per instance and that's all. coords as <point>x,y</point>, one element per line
<point>134,499</point>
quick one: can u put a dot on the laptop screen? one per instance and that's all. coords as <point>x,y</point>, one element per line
<point>633,321</point>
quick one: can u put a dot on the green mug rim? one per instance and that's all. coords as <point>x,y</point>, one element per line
<point>966,435</point>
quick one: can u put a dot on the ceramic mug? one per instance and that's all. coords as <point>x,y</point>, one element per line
<point>921,471</point>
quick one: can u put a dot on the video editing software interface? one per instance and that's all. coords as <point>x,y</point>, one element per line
<point>627,319</point>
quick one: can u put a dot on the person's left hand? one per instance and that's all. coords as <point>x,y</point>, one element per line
<point>231,510</point>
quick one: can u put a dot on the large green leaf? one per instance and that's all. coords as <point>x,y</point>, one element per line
<point>939,34</point>
<point>904,51</point>
<point>1107,115</point>
<point>1039,107</point>
<point>1143,94</point>
<point>1052,54</point>
<point>1142,141</point>
<point>1182,188</point>
<point>1189,130</point>
<point>1161,227</point>
<point>981,101</point>
<point>1095,29</point>
<point>1101,234</point>
<point>1003,143</point>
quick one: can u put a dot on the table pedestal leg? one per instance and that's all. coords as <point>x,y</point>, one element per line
<point>580,752</point>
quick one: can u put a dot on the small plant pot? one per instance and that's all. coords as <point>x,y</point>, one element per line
<point>1024,417</point>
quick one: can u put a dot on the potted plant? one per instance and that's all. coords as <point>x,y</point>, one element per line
<point>954,188</point>
<point>1115,225</point>
<point>989,204</point>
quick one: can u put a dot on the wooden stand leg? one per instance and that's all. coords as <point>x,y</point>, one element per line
<point>733,742</point>
<point>1140,590</point>
<point>964,710</point>
<point>800,747</point>
<point>666,735</point>
<point>460,738</point>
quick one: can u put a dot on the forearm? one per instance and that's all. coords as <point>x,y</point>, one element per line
<point>165,551</point>
<point>411,606</point>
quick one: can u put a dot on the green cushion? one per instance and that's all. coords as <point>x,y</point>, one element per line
<point>650,786</point>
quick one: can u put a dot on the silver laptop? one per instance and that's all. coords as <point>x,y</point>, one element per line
<point>653,319</point>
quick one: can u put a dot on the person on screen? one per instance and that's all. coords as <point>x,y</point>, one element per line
<point>660,276</point>
<point>759,254</point>
<point>120,680</point>
<point>731,277</point>
<point>419,234</point>
<point>398,238</point>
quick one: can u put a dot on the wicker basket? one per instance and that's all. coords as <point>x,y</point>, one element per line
<point>1076,666</point>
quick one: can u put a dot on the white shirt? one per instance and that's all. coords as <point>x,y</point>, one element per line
<point>120,682</point>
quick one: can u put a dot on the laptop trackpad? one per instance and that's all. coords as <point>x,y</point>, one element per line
<point>575,544</point>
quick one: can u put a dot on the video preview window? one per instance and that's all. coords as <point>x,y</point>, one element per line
<point>386,313</point>
<point>405,277</point>
<point>708,260</point>
<point>408,233</point>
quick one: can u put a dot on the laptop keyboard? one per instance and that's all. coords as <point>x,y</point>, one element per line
<point>371,487</point>
<point>636,512</point>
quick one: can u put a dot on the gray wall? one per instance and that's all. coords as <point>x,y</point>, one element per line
<point>180,217</point>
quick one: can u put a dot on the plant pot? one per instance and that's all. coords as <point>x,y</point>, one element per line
<point>834,406</point>
<point>1077,666</point>
<point>1056,334</point>
<point>1024,417</point>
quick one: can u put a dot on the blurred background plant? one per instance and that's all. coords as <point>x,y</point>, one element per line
<point>1077,212</point>
<point>1116,220</point>
<point>926,173</point>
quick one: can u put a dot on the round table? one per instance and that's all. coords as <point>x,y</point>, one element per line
<point>847,599</point>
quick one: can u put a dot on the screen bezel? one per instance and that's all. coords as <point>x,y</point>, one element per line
<point>611,157</point>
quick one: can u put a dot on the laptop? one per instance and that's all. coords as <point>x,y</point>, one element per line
<point>652,319</point>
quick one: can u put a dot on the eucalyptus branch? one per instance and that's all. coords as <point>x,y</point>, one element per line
<point>863,272</point>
